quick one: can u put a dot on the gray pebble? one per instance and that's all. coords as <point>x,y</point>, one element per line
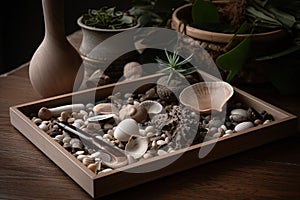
<point>243,126</point>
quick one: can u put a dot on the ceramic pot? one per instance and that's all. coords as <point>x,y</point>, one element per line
<point>262,42</point>
<point>213,42</point>
<point>100,52</point>
<point>55,64</point>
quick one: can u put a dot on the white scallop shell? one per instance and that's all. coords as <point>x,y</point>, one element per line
<point>152,107</point>
<point>243,126</point>
<point>136,146</point>
<point>125,129</point>
<point>206,96</point>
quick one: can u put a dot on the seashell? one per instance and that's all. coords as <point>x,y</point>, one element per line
<point>46,113</point>
<point>98,118</point>
<point>137,113</point>
<point>105,108</point>
<point>132,70</point>
<point>206,96</point>
<point>125,129</point>
<point>152,107</point>
<point>136,146</point>
<point>243,126</point>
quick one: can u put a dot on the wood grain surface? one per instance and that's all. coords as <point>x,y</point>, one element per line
<point>271,171</point>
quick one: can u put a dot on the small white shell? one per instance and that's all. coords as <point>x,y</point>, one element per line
<point>152,107</point>
<point>125,129</point>
<point>243,126</point>
<point>136,146</point>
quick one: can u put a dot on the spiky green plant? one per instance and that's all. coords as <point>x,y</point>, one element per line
<point>174,65</point>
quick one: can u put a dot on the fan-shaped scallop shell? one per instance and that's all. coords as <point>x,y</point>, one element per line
<point>136,146</point>
<point>125,129</point>
<point>206,96</point>
<point>152,107</point>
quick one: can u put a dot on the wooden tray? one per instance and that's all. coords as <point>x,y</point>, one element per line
<point>116,180</point>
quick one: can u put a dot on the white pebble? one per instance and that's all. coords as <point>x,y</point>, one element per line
<point>243,126</point>
<point>150,129</point>
<point>43,126</point>
<point>160,142</point>
<point>161,152</point>
<point>147,155</point>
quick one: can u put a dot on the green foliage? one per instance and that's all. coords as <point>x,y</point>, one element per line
<point>234,60</point>
<point>108,18</point>
<point>174,65</point>
<point>155,12</point>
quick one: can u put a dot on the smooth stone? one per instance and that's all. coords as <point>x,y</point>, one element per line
<point>243,126</point>
<point>161,152</point>
<point>92,167</point>
<point>59,138</point>
<point>67,139</point>
<point>147,155</point>
<point>44,127</point>
<point>150,129</point>
<point>106,170</point>
<point>81,157</point>
<point>54,134</point>
<point>88,160</point>
<point>215,123</point>
<point>238,118</point>
<point>239,111</point>
<point>160,142</point>
<point>228,132</point>
<point>257,122</point>
<point>150,134</point>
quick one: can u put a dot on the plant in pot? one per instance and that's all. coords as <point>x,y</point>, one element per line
<point>240,34</point>
<point>178,75</point>
<point>99,25</point>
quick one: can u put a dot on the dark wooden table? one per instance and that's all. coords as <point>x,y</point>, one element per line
<point>271,171</point>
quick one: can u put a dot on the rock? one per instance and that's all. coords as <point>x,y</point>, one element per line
<point>243,126</point>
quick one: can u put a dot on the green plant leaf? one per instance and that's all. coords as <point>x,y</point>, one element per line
<point>285,52</point>
<point>204,12</point>
<point>235,59</point>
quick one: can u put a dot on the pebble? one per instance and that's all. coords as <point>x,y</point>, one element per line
<point>243,126</point>
<point>160,142</point>
<point>44,126</point>
<point>161,152</point>
<point>240,112</point>
<point>147,155</point>
<point>92,167</point>
<point>106,170</point>
<point>88,160</point>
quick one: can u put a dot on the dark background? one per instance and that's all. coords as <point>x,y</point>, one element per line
<point>22,27</point>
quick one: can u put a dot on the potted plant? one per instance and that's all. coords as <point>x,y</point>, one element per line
<point>97,26</point>
<point>238,34</point>
<point>178,75</point>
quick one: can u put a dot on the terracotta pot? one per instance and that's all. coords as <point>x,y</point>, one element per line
<point>213,42</point>
<point>55,64</point>
<point>98,51</point>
